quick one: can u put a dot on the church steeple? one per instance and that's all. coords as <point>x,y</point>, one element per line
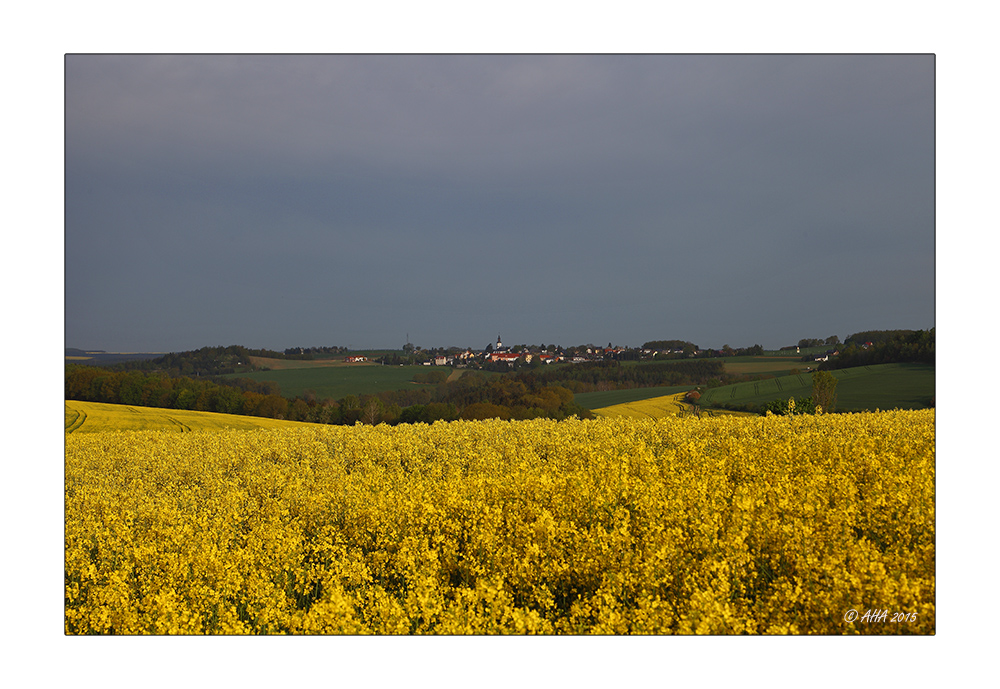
<point>499,344</point>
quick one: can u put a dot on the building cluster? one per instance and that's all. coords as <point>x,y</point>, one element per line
<point>499,353</point>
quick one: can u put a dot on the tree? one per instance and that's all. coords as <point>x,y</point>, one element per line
<point>272,407</point>
<point>130,391</point>
<point>439,411</point>
<point>186,398</point>
<point>350,410</point>
<point>789,407</point>
<point>373,410</point>
<point>825,391</point>
<point>229,400</point>
<point>298,410</point>
<point>391,413</point>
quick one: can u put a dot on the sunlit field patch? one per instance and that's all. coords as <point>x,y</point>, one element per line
<point>94,417</point>
<point>661,407</point>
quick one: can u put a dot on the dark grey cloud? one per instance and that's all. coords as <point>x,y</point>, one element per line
<point>295,200</point>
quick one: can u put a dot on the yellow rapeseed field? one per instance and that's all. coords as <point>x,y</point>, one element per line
<point>95,417</point>
<point>729,525</point>
<point>660,407</point>
<point>652,408</point>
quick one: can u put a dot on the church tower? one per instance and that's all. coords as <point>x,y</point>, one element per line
<point>499,344</point>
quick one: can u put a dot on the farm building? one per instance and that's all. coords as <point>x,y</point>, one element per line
<point>509,357</point>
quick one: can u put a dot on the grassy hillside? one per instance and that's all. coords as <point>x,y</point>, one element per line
<point>285,364</point>
<point>334,361</point>
<point>752,365</point>
<point>765,363</point>
<point>94,417</point>
<point>338,381</point>
<point>776,365</point>
<point>884,386</point>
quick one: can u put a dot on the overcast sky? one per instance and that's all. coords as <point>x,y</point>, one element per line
<point>279,201</point>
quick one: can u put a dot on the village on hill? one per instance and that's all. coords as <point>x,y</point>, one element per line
<point>519,355</point>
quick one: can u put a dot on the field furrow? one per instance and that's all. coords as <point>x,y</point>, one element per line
<point>75,418</point>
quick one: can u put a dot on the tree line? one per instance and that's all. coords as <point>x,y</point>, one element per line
<point>518,395</point>
<point>473,396</point>
<point>159,389</point>
<point>687,347</point>
<point>891,347</point>
<point>207,361</point>
<point>878,336</point>
<point>611,375</point>
<point>219,361</point>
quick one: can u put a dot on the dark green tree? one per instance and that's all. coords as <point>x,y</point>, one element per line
<point>350,410</point>
<point>825,391</point>
<point>789,407</point>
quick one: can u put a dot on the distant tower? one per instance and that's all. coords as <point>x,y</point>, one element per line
<point>499,345</point>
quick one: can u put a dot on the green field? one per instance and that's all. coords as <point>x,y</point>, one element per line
<point>802,351</point>
<point>766,363</point>
<point>336,382</point>
<point>883,386</point>
<point>95,417</point>
<point>775,365</point>
<point>335,361</point>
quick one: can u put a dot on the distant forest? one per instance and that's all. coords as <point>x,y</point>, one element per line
<point>207,361</point>
<point>887,347</point>
<point>611,375</point>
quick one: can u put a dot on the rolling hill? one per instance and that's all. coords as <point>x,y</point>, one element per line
<point>881,386</point>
